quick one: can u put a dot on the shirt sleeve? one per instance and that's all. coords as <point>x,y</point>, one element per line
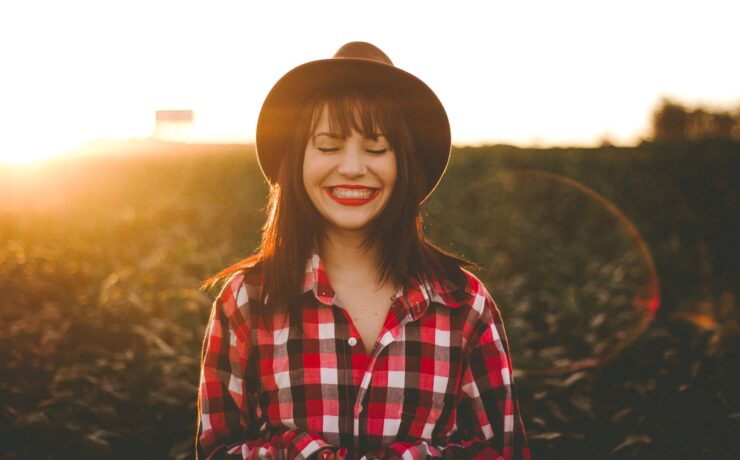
<point>489,424</point>
<point>228,426</point>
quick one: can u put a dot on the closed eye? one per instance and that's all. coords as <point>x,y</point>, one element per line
<point>328,149</point>
<point>378,151</point>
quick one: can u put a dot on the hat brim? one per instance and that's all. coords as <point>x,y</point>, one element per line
<point>422,109</point>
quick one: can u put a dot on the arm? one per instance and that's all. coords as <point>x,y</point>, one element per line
<point>488,421</point>
<point>228,422</point>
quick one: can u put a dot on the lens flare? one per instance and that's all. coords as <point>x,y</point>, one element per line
<point>581,279</point>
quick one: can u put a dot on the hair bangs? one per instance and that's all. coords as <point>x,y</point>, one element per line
<point>357,109</point>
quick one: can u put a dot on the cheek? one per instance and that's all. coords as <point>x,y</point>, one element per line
<point>309,170</point>
<point>314,173</point>
<point>310,188</point>
<point>391,171</point>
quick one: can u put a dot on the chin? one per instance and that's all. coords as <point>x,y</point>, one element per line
<point>349,228</point>
<point>345,226</point>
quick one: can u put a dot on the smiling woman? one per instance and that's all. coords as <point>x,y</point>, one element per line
<point>348,335</point>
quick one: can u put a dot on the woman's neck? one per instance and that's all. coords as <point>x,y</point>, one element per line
<point>347,261</point>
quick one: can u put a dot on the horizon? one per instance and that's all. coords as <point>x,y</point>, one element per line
<point>104,146</point>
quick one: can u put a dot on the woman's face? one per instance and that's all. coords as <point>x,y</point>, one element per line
<point>349,181</point>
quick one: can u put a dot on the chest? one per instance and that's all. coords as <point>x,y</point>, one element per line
<point>311,377</point>
<point>368,309</point>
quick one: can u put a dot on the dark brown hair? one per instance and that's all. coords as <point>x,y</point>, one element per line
<point>293,225</point>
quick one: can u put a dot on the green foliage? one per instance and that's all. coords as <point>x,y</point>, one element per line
<point>673,122</point>
<point>101,319</point>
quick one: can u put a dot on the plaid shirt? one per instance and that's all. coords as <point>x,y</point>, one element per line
<point>438,382</point>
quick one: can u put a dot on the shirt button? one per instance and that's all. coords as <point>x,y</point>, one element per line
<point>352,341</point>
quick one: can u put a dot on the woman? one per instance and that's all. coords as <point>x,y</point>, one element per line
<point>348,335</point>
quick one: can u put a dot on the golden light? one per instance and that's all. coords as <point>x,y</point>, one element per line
<point>30,145</point>
<point>81,70</point>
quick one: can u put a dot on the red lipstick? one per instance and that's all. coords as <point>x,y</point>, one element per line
<point>352,201</point>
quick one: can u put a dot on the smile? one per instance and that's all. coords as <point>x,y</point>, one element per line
<point>352,195</point>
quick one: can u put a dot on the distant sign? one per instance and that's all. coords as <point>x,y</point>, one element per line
<point>176,116</point>
<point>174,125</point>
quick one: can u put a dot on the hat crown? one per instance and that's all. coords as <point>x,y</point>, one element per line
<point>362,50</point>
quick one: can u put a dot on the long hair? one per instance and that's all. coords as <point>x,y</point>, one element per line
<point>293,226</point>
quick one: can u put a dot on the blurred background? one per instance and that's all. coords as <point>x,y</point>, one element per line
<point>595,177</point>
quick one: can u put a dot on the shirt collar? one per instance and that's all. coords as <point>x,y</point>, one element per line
<point>316,280</point>
<point>417,295</point>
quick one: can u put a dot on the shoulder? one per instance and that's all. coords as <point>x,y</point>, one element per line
<point>240,289</point>
<point>246,281</point>
<point>480,307</point>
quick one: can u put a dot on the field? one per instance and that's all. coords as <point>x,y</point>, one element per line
<point>617,271</point>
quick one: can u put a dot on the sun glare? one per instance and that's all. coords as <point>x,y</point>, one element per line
<point>65,87</point>
<point>28,150</point>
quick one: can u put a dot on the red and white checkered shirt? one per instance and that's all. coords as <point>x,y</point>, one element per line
<point>438,382</point>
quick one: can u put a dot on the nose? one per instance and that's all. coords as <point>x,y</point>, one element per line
<point>352,161</point>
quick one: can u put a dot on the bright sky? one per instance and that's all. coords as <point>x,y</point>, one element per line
<point>527,72</point>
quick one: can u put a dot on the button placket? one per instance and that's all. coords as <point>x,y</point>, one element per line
<point>363,389</point>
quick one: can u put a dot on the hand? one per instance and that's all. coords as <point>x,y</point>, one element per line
<point>328,454</point>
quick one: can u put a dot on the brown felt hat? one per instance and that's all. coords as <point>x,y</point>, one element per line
<point>362,64</point>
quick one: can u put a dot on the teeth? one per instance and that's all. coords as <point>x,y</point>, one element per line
<point>352,193</point>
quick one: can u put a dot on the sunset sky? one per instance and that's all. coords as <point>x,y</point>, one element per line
<point>526,73</point>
